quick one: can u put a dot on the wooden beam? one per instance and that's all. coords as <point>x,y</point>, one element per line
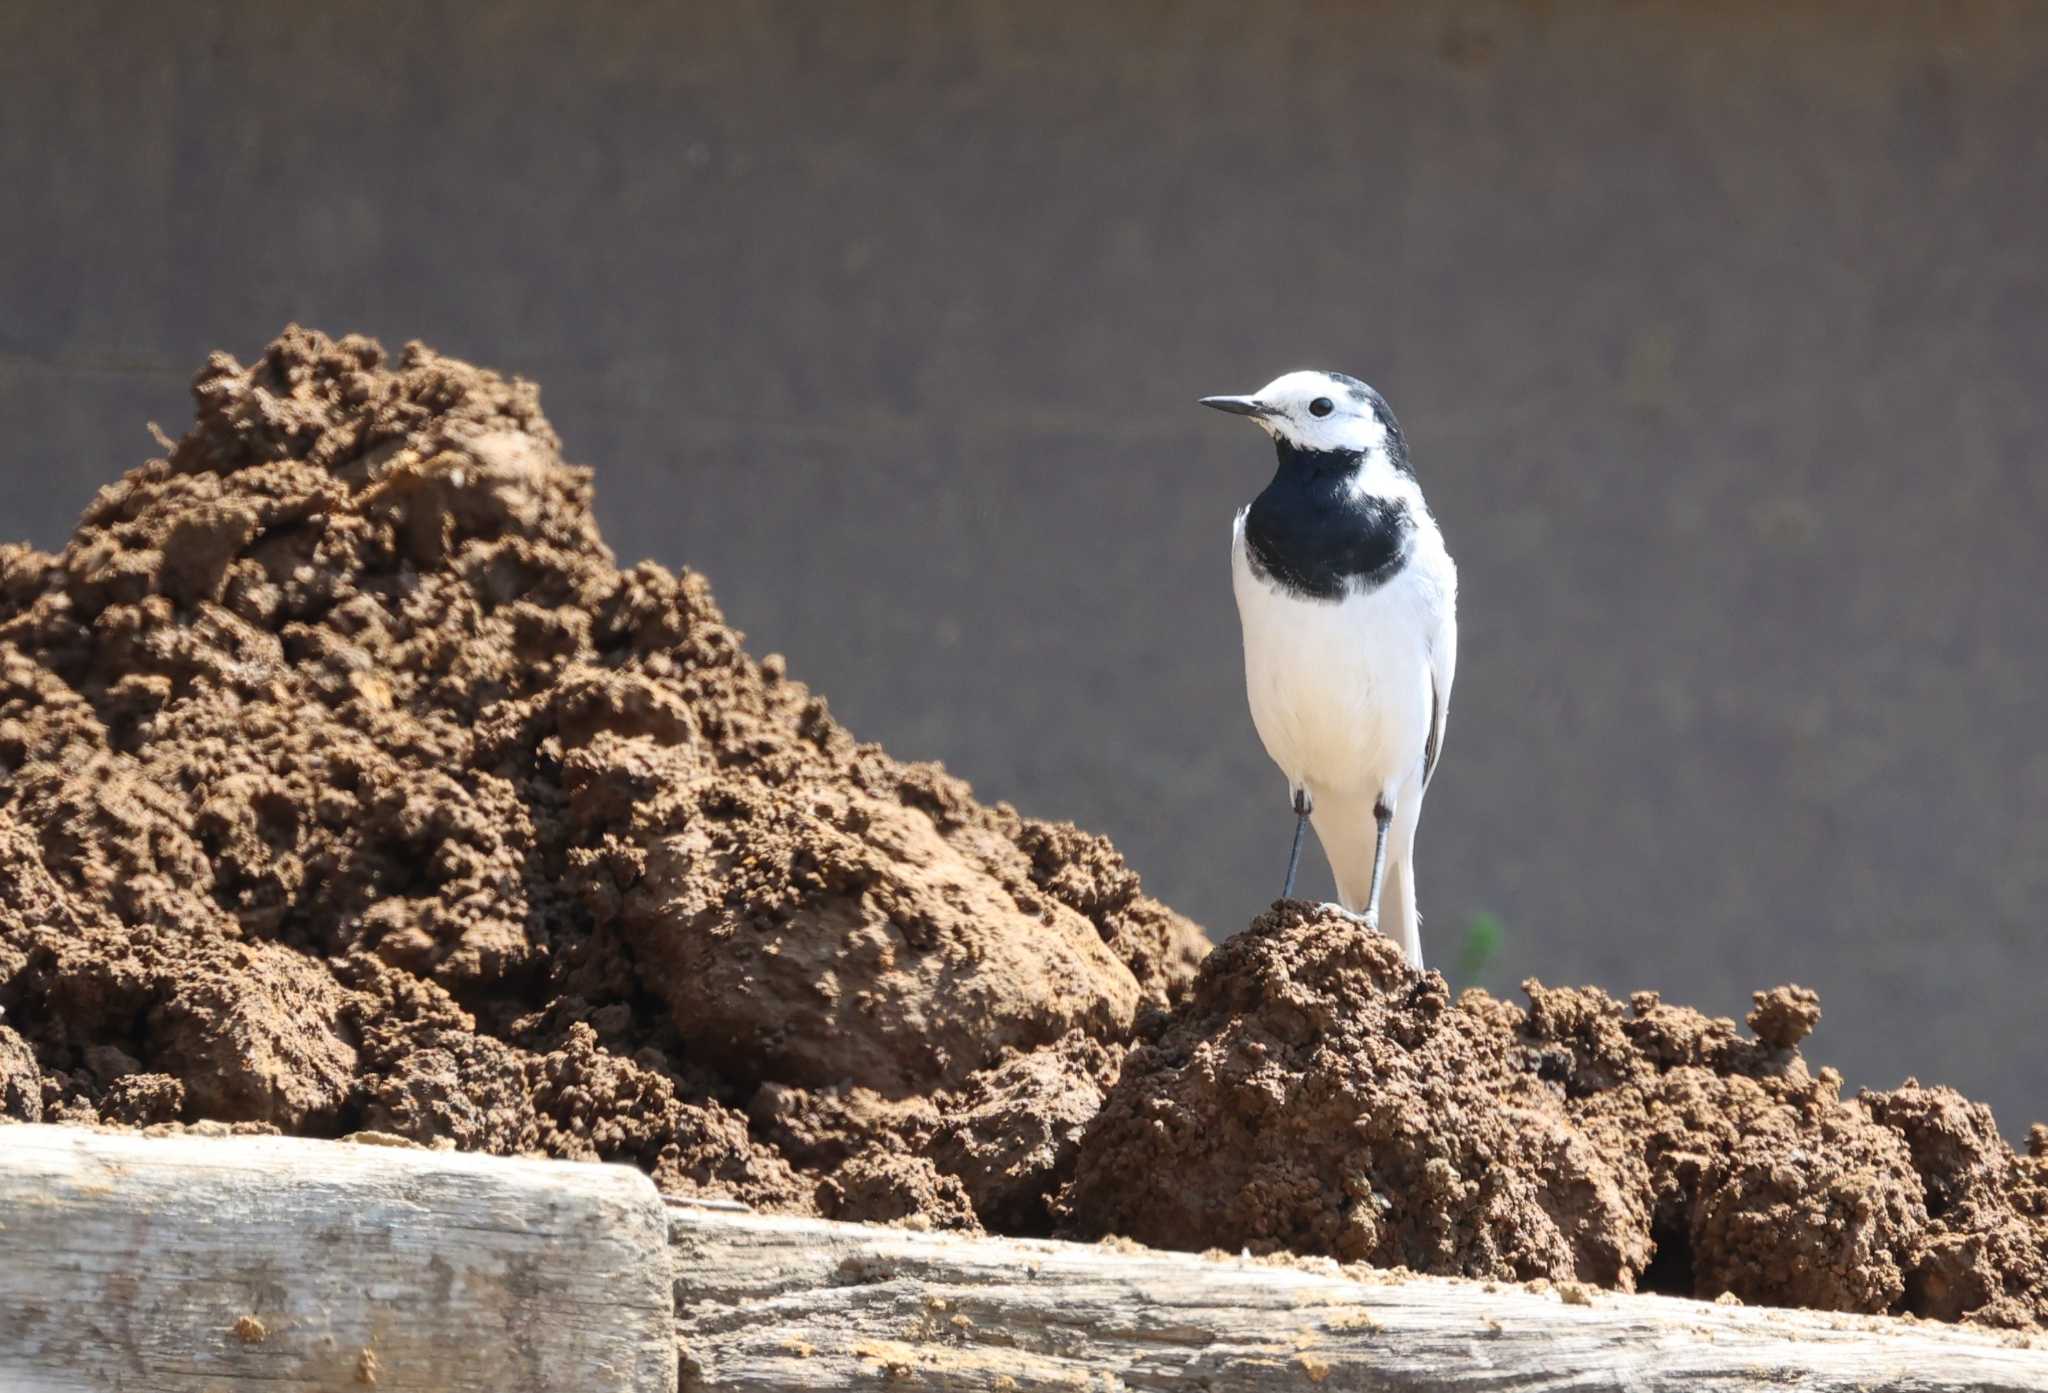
<point>181,1264</point>
<point>192,1264</point>
<point>765,1302</point>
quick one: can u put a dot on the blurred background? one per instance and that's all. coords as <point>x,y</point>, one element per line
<point>1717,331</point>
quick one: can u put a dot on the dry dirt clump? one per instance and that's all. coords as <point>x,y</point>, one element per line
<point>347,783</point>
<point>1317,1095</point>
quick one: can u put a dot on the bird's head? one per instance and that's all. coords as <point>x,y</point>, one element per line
<point>1320,412</point>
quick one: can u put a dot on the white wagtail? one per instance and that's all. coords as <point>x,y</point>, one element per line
<point>1349,605</point>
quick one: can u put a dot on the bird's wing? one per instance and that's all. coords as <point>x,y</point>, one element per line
<point>1443,670</point>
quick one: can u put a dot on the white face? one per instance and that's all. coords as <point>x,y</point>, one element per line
<point>1314,410</point>
<point>1319,411</point>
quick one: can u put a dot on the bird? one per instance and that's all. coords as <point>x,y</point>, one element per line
<point>1348,599</point>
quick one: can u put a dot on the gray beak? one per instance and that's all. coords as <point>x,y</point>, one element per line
<point>1236,406</point>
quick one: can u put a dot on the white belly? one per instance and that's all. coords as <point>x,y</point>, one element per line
<point>1339,690</point>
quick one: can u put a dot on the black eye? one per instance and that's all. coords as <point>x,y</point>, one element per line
<point>1321,406</point>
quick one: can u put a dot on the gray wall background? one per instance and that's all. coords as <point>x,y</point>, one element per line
<point>1717,331</point>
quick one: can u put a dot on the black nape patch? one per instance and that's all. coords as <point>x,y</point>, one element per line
<point>1311,534</point>
<point>1367,396</point>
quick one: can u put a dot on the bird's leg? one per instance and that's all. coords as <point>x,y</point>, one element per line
<point>1303,806</point>
<point>1381,814</point>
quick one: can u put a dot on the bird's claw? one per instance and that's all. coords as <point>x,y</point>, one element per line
<point>1371,921</point>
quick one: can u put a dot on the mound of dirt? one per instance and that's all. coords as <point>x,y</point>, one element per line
<point>346,783</point>
<point>1316,1095</point>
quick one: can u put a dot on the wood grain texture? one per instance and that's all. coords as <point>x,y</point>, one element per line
<point>765,1302</point>
<point>181,1264</point>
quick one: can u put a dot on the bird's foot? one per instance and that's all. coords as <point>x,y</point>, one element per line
<point>1371,921</point>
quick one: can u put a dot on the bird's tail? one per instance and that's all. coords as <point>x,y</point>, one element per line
<point>1347,831</point>
<point>1399,919</point>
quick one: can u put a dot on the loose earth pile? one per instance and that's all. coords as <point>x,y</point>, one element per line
<point>347,784</point>
<point>1315,1094</point>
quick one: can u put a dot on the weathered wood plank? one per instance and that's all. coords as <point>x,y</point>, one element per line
<point>181,1264</point>
<point>765,1303</point>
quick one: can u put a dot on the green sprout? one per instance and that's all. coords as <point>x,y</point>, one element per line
<point>1484,933</point>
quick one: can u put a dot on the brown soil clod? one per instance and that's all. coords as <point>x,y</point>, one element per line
<point>21,1082</point>
<point>1317,1095</point>
<point>1783,1016</point>
<point>347,784</point>
<point>349,787</point>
